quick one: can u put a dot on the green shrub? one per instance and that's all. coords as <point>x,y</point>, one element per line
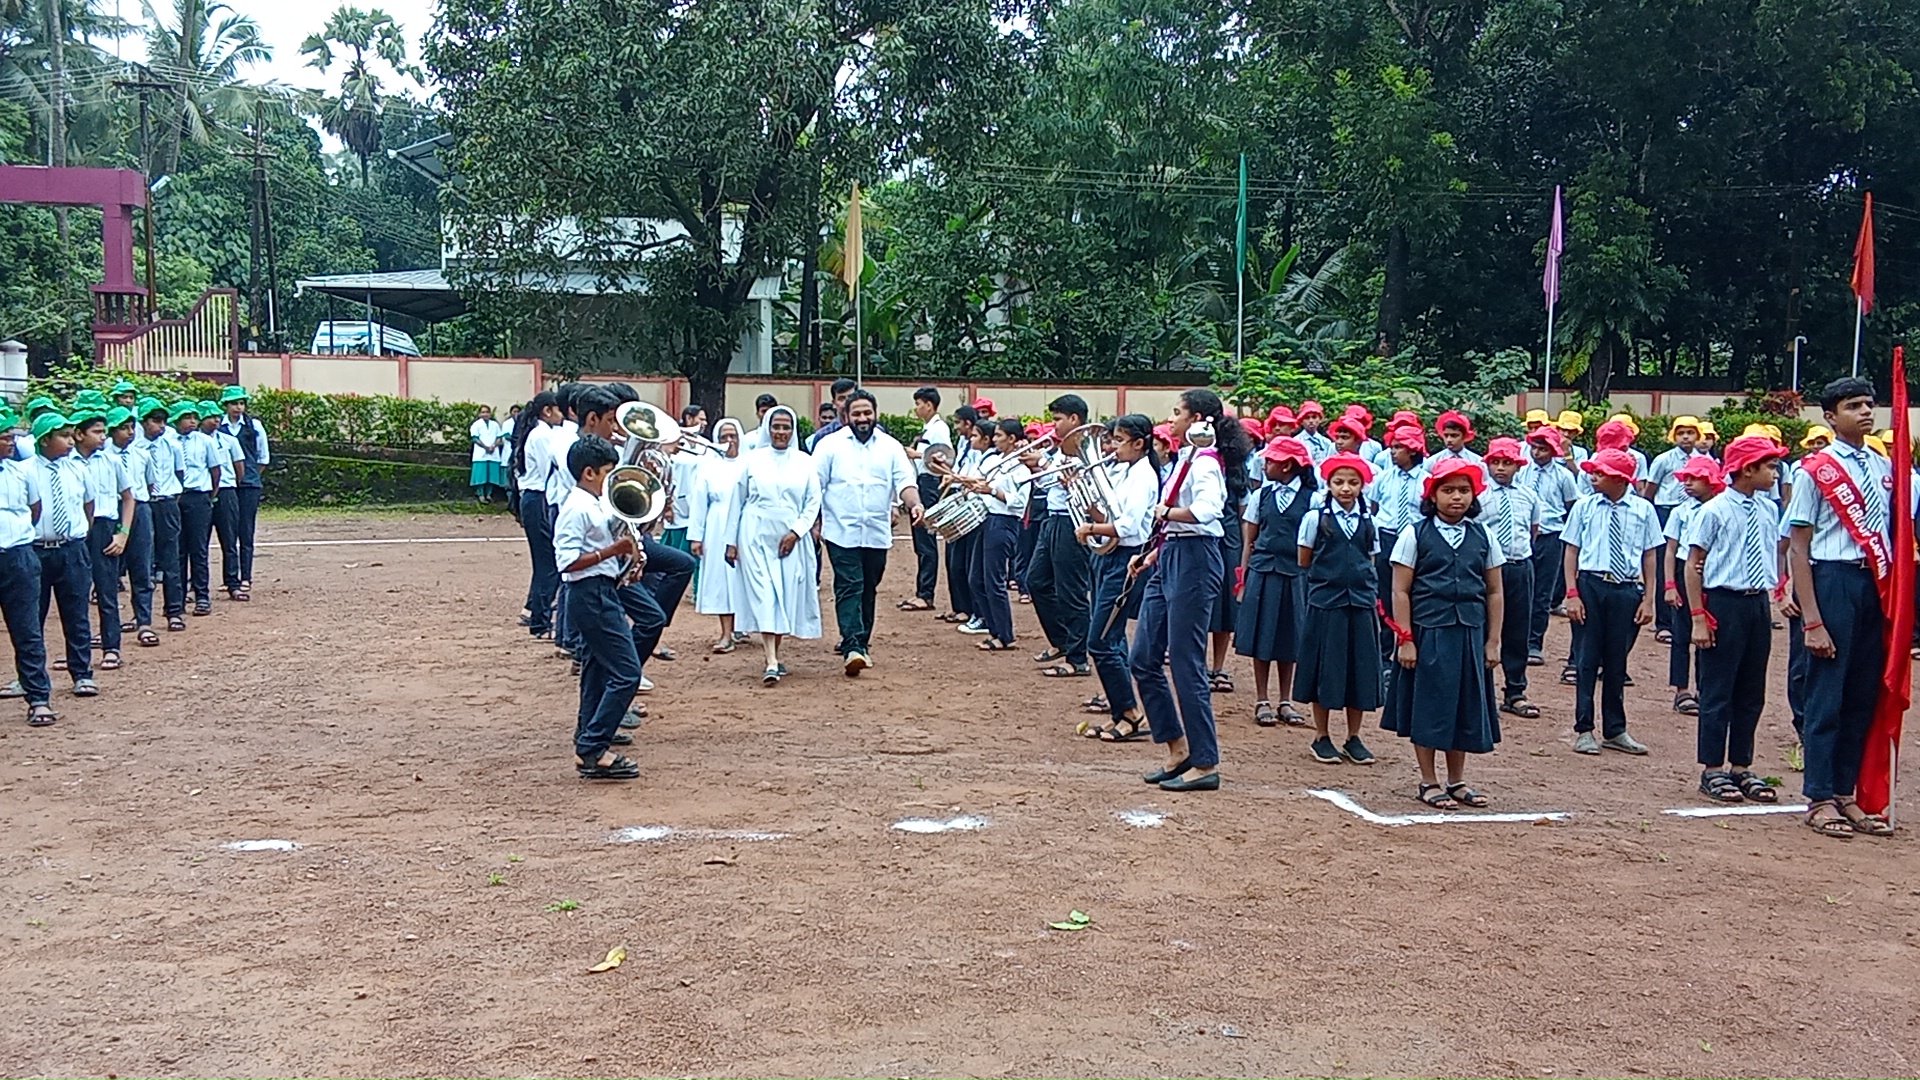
<point>310,479</point>
<point>62,383</point>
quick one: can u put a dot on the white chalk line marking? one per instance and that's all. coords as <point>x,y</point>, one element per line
<point>262,845</point>
<point>1734,811</point>
<point>964,823</point>
<point>1346,802</point>
<point>654,834</point>
<point>396,540</point>
<point>1142,818</point>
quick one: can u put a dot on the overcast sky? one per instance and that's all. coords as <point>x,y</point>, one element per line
<point>285,25</point>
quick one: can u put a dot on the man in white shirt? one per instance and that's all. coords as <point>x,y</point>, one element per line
<point>862,471</point>
<point>934,432</point>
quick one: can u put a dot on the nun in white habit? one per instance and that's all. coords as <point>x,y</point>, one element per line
<point>776,501</point>
<point>710,509</point>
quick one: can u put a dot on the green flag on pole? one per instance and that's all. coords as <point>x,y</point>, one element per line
<point>1240,226</point>
<point>1240,270</point>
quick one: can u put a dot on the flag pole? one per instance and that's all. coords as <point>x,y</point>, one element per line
<point>1550,285</point>
<point>1240,272</point>
<point>1546,368</point>
<point>1859,320</point>
<point>859,344</point>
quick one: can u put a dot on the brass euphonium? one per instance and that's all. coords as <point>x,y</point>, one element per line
<point>634,497</point>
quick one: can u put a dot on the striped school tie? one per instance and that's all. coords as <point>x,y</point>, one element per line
<point>1619,566</point>
<point>1871,492</point>
<point>58,519</point>
<point>1759,575</point>
<point>1508,536</point>
<point>1282,498</point>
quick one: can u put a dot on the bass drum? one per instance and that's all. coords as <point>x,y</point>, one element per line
<point>956,515</point>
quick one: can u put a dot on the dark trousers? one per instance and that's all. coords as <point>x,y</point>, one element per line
<point>649,621</point>
<point>137,561</point>
<point>1602,652</point>
<point>563,634</point>
<point>1107,632</point>
<point>1175,613</point>
<point>26,627</point>
<point>961,554</point>
<point>1662,614</point>
<point>226,525</point>
<point>546,576</point>
<point>856,577</point>
<point>1733,677</point>
<point>1842,691</point>
<point>1797,658</point>
<point>105,571</point>
<point>669,572</point>
<point>249,523</point>
<point>1516,588</point>
<point>1023,548</point>
<point>926,546</point>
<point>998,538</point>
<point>1548,587</point>
<point>196,533</point>
<point>609,664</point>
<point>166,555</point>
<point>1680,649</point>
<point>1058,578</point>
<point>66,579</point>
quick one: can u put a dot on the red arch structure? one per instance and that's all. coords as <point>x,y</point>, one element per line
<point>120,304</point>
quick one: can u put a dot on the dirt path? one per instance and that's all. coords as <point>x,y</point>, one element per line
<point>377,706</point>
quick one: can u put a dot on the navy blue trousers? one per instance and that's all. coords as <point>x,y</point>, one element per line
<point>1549,573</point>
<point>609,664</point>
<point>961,555</point>
<point>166,555</point>
<point>856,580</point>
<point>66,578</point>
<point>1057,580</point>
<point>137,561</point>
<point>1797,658</point>
<point>1602,652</point>
<point>1842,691</point>
<point>546,576</point>
<point>1680,651</point>
<point>196,533</point>
<point>1107,644</point>
<point>249,523</point>
<point>1516,590</point>
<point>1733,677</point>
<point>105,571</point>
<point>1175,614</point>
<point>26,627</point>
<point>226,525</point>
<point>998,537</point>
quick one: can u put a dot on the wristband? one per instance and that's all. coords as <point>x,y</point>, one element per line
<point>1573,594</point>
<point>119,530</point>
<point>1812,626</point>
<point>1698,611</point>
<point>1673,586</point>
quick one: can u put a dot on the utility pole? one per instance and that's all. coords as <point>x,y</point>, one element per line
<point>259,227</point>
<point>143,87</point>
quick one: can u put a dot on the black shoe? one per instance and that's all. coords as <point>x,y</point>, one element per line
<point>1323,751</point>
<point>1356,751</point>
<point>621,769</point>
<point>621,738</point>
<point>1209,782</point>
<point>1166,774</point>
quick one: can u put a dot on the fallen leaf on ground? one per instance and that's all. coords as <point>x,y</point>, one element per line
<point>615,957</point>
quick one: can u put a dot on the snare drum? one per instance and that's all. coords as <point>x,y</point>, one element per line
<point>956,515</point>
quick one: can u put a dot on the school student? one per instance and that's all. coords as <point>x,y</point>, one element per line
<point>1175,611</point>
<point>1553,487</point>
<point>1004,484</point>
<point>1701,480</point>
<point>1665,490</point>
<point>1732,566</point>
<point>934,432</point>
<point>241,426</point>
<point>166,475</point>
<point>110,493</point>
<point>1455,432</point>
<point>1273,596</point>
<point>1134,478</point>
<point>1838,557</point>
<point>1339,652</point>
<point>66,515</point>
<point>21,505</point>
<point>963,606</point>
<point>1059,573</point>
<point>1611,539</point>
<point>532,460</point>
<point>226,506</point>
<point>1307,425</point>
<point>591,561</point>
<point>137,559</point>
<point>1395,496</point>
<point>1512,515</point>
<point>1448,605</point>
<point>200,482</point>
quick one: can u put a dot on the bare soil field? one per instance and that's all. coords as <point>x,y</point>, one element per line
<point>376,705</point>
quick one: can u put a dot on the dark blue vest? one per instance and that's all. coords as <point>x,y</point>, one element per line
<point>1450,584</point>
<point>1276,547</point>
<point>1342,574</point>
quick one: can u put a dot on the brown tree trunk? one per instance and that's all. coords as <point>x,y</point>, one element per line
<point>1393,294</point>
<point>1598,381</point>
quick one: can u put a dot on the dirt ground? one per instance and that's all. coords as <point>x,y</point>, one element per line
<point>377,705</point>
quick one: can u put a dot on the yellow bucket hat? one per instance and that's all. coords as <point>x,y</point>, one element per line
<point>1679,422</point>
<point>1627,419</point>
<point>1571,420</point>
<point>1707,428</point>
<point>1537,416</point>
<point>1816,431</point>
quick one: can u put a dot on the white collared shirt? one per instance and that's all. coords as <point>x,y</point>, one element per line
<point>1204,491</point>
<point>19,491</point>
<point>64,480</point>
<point>230,454</point>
<point>200,453</point>
<point>1831,540</point>
<point>106,479</point>
<point>1669,490</point>
<point>136,463</point>
<point>1011,481</point>
<point>935,432</point>
<point>1406,546</point>
<point>1347,520</point>
<point>1553,487</point>
<point>1136,488</point>
<point>1512,515</point>
<point>1734,530</point>
<point>1589,526</point>
<point>859,483</point>
<point>1396,496</point>
<point>559,479</point>
<point>582,527</point>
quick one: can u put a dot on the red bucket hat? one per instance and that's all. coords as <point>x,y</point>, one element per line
<point>1255,429</point>
<point>1165,431</point>
<point>1355,462</point>
<point>1747,450</point>
<point>1450,418</point>
<point>1410,437</point>
<point>1455,467</point>
<point>1504,449</point>
<point>1613,435</point>
<point>983,406</point>
<point>1612,461</point>
<point>1280,414</point>
<point>1287,448</point>
<point>1349,425</point>
<point>1702,467</point>
<point>1311,408</point>
<point>1549,435</point>
<point>1357,411</point>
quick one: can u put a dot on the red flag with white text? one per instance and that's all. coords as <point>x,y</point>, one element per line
<point>1880,765</point>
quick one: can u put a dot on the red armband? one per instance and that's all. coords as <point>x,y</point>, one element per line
<point>1812,626</point>
<point>1712,623</point>
<point>1673,586</point>
<point>1573,594</point>
<point>1401,634</point>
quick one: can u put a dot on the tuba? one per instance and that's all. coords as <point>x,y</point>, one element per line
<point>1089,489</point>
<point>634,497</point>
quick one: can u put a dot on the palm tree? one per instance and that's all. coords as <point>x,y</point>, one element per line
<point>201,50</point>
<point>354,115</point>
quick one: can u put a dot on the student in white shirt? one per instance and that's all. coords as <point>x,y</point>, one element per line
<point>1610,541</point>
<point>110,492</point>
<point>1134,479</point>
<point>532,459</point>
<point>20,508</point>
<point>1004,483</point>
<point>1512,515</point>
<point>166,472</point>
<point>226,507</point>
<point>137,560</point>
<point>862,471</point>
<point>66,514</point>
<point>934,432</point>
<point>591,560</point>
<point>201,480</point>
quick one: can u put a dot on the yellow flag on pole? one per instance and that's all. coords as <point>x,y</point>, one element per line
<point>853,259</point>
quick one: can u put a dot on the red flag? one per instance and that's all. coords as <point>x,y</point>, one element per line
<point>1863,260</point>
<point>1880,765</point>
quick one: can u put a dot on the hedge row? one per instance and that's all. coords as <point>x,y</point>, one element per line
<point>309,479</point>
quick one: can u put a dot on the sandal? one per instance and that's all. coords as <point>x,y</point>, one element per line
<point>110,660</point>
<point>1436,796</point>
<point>1096,704</point>
<point>620,768</point>
<point>1826,819</point>
<point>1754,788</point>
<point>1048,656</point>
<point>1291,716</point>
<point>1067,671</point>
<point>85,688</point>
<point>664,653</point>
<point>1569,676</point>
<point>1863,822</point>
<point>1721,787</point>
<point>40,716</point>
<point>1686,703</point>
<point>128,627</point>
<point>238,594</point>
<point>994,645</point>
<point>58,664</point>
<point>915,604</point>
<point>722,647</point>
<point>771,677</point>
<point>1263,714</point>
<point>1521,707</point>
<point>1135,728</point>
<point>1465,795</point>
<point>203,607</point>
<point>1664,637</point>
<point>175,622</point>
<point>146,637</point>
<point>1219,682</point>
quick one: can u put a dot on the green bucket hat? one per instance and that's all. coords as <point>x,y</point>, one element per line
<point>47,423</point>
<point>181,410</point>
<point>124,387</point>
<point>233,393</point>
<point>42,404</point>
<point>9,422</point>
<point>149,405</point>
<point>118,415</point>
<point>208,408</point>
<point>81,417</point>
<point>91,399</point>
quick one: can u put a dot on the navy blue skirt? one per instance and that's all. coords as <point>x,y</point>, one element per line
<point>1226,608</point>
<point>1340,659</point>
<point>1446,702</point>
<point>1272,618</point>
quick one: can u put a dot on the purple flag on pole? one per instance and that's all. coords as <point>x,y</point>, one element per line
<point>1556,242</point>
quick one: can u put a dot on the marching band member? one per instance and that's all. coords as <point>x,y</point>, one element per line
<point>776,500</point>
<point>1134,476</point>
<point>1057,574</point>
<point>862,470</point>
<point>710,530</point>
<point>589,558</point>
<point>532,461</point>
<point>964,601</point>
<point>1187,573</point>
<point>1273,595</point>
<point>1004,483</point>
<point>137,560</point>
<point>1340,654</point>
<point>934,433</point>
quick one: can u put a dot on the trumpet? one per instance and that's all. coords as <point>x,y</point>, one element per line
<point>634,497</point>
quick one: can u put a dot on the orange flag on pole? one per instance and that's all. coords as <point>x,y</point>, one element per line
<point>1880,764</point>
<point>853,257</point>
<point>1863,259</point>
